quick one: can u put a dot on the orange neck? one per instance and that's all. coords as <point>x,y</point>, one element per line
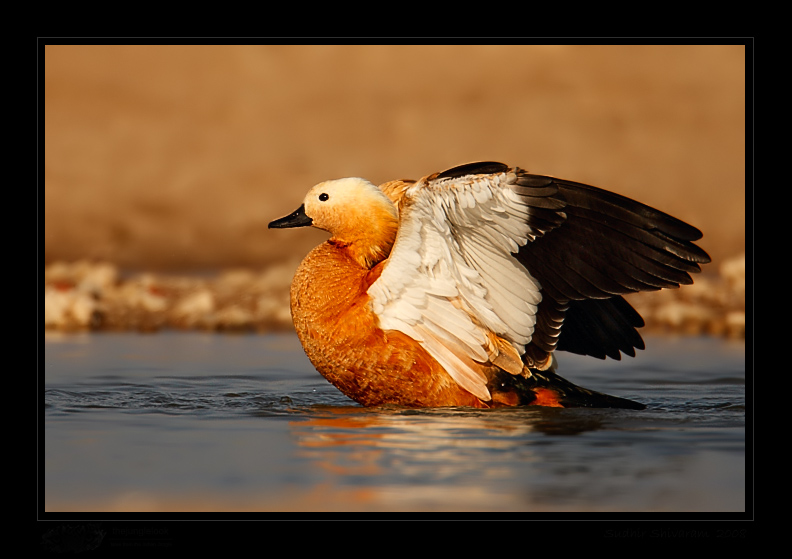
<point>368,239</point>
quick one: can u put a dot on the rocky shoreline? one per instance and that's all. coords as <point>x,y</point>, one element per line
<point>95,296</point>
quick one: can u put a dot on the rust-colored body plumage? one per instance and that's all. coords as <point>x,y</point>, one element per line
<point>335,324</point>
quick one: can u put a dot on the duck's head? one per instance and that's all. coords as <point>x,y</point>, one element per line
<point>353,211</point>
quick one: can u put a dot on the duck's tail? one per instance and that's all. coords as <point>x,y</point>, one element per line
<point>546,388</point>
<point>550,386</point>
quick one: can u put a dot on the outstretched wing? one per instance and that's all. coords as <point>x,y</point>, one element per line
<point>490,263</point>
<point>451,281</point>
<point>608,245</point>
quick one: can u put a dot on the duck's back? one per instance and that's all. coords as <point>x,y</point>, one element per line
<point>333,319</point>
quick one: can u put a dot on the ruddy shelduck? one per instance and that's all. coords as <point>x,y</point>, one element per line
<point>456,289</point>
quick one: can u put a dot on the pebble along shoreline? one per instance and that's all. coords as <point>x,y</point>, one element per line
<point>95,296</point>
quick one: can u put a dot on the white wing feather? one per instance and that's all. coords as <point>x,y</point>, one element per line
<point>451,278</point>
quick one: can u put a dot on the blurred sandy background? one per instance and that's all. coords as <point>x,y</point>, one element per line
<point>176,157</point>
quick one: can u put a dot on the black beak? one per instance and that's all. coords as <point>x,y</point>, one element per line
<point>295,219</point>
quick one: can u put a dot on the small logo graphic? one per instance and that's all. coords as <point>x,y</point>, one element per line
<point>72,538</point>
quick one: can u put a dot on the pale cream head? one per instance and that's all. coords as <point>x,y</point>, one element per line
<point>348,208</point>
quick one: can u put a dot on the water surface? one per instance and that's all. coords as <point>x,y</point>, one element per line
<point>205,422</point>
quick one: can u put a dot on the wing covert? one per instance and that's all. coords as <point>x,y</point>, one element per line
<point>451,280</point>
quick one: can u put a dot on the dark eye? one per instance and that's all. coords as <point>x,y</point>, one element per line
<point>323,197</point>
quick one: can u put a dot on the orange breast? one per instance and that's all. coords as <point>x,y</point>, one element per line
<point>339,332</point>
